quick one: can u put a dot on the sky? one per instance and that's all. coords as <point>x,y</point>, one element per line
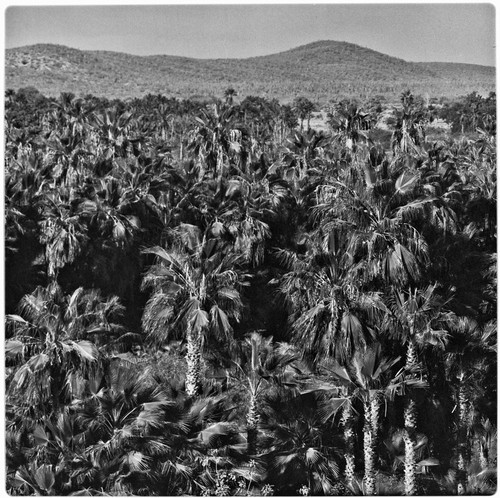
<point>417,32</point>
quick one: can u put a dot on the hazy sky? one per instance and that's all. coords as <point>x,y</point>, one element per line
<point>417,32</point>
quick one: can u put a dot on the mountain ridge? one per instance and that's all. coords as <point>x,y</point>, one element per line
<point>321,70</point>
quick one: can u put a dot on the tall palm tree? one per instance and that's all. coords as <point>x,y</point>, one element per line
<point>303,108</point>
<point>337,395</point>
<point>370,377</point>
<point>239,212</point>
<point>409,129</point>
<point>259,365</point>
<point>303,151</point>
<point>331,314</point>
<point>347,422</point>
<point>211,143</point>
<point>351,123</point>
<point>365,378</point>
<point>229,94</point>
<point>417,318</point>
<point>195,295</point>
<point>63,234</point>
<point>471,357</point>
<point>477,170</point>
<point>114,129</point>
<point>380,215</point>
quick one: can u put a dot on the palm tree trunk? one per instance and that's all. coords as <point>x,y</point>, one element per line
<point>252,422</point>
<point>411,353</point>
<point>375,410</point>
<point>462,402</point>
<point>483,456</point>
<point>369,451</point>
<point>220,168</point>
<point>56,381</point>
<point>410,440</point>
<point>193,360</point>
<point>349,434</point>
<point>410,421</point>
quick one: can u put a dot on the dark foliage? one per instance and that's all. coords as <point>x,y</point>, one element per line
<point>211,297</point>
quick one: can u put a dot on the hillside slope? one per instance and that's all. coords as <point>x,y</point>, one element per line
<point>322,71</point>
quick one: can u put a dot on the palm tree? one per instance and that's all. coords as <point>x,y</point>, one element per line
<point>229,94</point>
<point>301,451</point>
<point>369,377</point>
<point>364,380</point>
<point>56,448</point>
<point>417,317</point>
<point>351,123</point>
<point>111,212</point>
<point>124,414</point>
<point>408,134</point>
<point>25,186</point>
<point>259,365</point>
<point>211,143</point>
<point>335,397</point>
<point>477,170</point>
<point>381,216</point>
<point>195,296</point>
<point>331,314</point>
<point>63,234</point>
<point>303,107</point>
<point>471,356</point>
<point>262,118</point>
<point>38,480</point>
<point>485,434</point>
<point>347,421</point>
<point>303,160</point>
<point>53,339</point>
<point>239,213</point>
<point>113,130</point>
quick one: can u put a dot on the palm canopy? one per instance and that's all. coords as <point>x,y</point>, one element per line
<point>62,233</point>
<point>419,317</point>
<point>238,211</point>
<point>471,358</point>
<point>332,314</point>
<point>215,141</point>
<point>125,415</point>
<point>369,373</point>
<point>350,122</point>
<point>196,289</point>
<point>381,219</point>
<point>263,365</point>
<point>300,452</point>
<point>409,133</point>
<point>53,338</point>
<point>259,360</point>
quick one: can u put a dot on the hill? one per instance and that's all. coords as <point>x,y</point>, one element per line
<point>322,71</point>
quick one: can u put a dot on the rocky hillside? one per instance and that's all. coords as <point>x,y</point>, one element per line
<point>321,71</point>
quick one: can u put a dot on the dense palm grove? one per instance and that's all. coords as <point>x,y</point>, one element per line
<point>219,300</point>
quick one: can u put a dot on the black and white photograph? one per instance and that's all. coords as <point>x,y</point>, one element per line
<point>250,249</point>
